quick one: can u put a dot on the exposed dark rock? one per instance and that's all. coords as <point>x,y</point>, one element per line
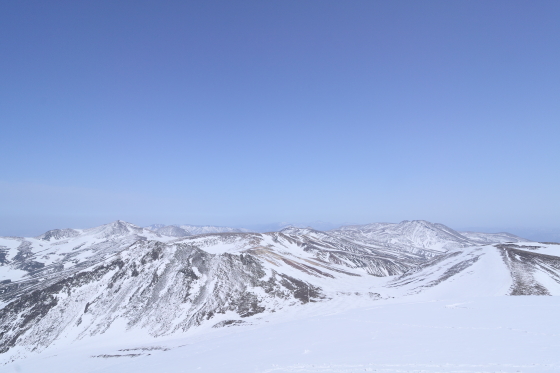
<point>3,255</point>
<point>523,264</point>
<point>221,324</point>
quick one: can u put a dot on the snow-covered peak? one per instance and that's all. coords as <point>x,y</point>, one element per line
<point>172,231</point>
<point>58,234</point>
<point>419,234</point>
<point>155,227</point>
<point>116,228</point>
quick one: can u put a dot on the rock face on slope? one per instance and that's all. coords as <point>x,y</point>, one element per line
<point>532,273</point>
<point>80,283</point>
<point>161,288</point>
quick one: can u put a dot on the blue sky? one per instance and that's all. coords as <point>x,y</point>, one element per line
<point>239,113</point>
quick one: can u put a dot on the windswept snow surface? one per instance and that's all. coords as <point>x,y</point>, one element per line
<point>407,297</point>
<point>486,334</point>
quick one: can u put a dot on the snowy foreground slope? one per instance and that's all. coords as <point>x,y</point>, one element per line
<point>407,297</point>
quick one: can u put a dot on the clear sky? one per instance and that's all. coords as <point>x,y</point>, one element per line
<point>240,112</point>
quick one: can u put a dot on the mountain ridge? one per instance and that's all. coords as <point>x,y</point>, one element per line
<point>70,284</point>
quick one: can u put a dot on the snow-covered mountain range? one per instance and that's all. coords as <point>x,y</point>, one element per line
<point>71,286</point>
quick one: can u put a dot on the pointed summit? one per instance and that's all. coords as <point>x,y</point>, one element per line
<point>116,228</point>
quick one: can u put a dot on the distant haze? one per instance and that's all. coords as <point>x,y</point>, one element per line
<point>244,114</point>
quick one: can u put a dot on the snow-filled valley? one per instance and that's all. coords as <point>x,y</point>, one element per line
<point>408,297</point>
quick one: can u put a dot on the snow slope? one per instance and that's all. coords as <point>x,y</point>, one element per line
<point>486,334</point>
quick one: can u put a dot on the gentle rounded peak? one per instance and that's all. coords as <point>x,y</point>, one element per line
<point>58,234</point>
<point>418,234</point>
<point>296,230</point>
<point>209,229</point>
<point>403,224</point>
<point>172,231</point>
<point>155,227</point>
<point>417,222</point>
